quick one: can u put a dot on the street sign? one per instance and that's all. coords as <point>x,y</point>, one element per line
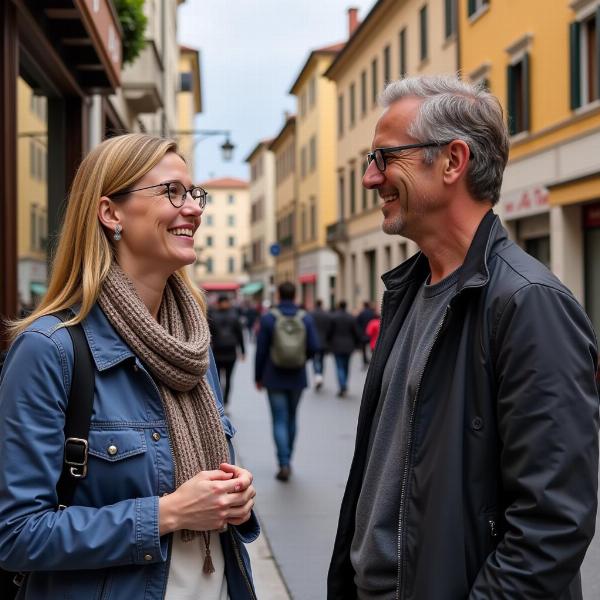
<point>275,249</point>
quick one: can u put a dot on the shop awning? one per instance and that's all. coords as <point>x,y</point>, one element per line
<point>308,278</point>
<point>39,289</point>
<point>213,286</point>
<point>252,288</point>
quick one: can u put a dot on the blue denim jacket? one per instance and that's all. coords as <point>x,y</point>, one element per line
<point>106,544</point>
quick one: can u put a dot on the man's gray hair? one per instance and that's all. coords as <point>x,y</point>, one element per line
<point>455,110</point>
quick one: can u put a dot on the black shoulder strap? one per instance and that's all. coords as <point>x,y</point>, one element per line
<point>79,413</point>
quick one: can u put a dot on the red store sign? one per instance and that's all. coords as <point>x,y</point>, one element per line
<point>526,202</point>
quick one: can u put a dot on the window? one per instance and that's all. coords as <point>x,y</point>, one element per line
<point>375,198</point>
<point>312,154</point>
<point>341,198</point>
<point>387,67</point>
<point>450,18</point>
<point>185,82</point>
<point>208,220</point>
<point>313,218</point>
<point>476,6</point>
<point>231,265</point>
<point>231,220</point>
<point>423,30</point>
<point>585,60</point>
<point>303,162</point>
<point>231,241</point>
<point>363,93</point>
<point>352,177</point>
<point>365,201</point>
<point>33,222</point>
<point>402,52</point>
<point>518,95</point>
<point>209,199</point>
<point>209,241</point>
<point>302,104</point>
<point>340,115</point>
<point>352,104</point>
<point>231,199</point>
<point>374,82</point>
<point>312,92</point>
<point>208,263</point>
<point>303,224</point>
<point>539,248</point>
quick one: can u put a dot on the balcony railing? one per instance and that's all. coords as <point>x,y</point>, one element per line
<point>337,233</point>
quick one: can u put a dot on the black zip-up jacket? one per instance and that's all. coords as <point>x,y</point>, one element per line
<point>500,472</point>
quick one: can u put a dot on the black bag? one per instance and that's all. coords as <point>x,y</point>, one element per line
<point>77,427</point>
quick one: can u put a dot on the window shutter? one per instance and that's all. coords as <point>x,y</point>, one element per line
<point>472,6</point>
<point>574,40</point>
<point>511,100</point>
<point>597,73</point>
<point>448,29</point>
<point>526,73</point>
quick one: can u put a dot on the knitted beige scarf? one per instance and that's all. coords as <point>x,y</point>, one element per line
<point>175,350</point>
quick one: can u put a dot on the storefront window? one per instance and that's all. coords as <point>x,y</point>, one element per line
<point>32,195</point>
<point>592,269</point>
<point>539,248</point>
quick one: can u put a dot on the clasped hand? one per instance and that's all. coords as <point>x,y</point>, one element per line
<point>209,501</point>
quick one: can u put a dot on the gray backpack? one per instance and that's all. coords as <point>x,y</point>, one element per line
<point>288,346</point>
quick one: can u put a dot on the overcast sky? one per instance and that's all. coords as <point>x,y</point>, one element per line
<point>251,51</point>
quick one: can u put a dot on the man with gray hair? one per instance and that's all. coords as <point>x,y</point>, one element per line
<point>475,469</point>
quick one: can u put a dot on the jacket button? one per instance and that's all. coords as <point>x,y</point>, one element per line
<point>112,450</point>
<point>156,436</point>
<point>148,557</point>
<point>477,423</point>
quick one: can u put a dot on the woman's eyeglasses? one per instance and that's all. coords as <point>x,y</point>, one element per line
<point>176,192</point>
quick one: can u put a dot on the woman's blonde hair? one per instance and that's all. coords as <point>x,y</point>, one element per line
<point>85,253</point>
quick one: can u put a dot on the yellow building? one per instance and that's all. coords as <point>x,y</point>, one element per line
<point>284,151</point>
<point>189,100</point>
<point>544,65</point>
<point>316,264</point>
<point>262,223</point>
<point>222,237</point>
<point>32,216</point>
<point>395,39</point>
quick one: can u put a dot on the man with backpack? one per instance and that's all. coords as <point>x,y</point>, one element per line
<point>226,337</point>
<point>286,339</point>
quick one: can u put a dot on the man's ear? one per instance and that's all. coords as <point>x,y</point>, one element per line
<point>458,154</point>
<point>108,213</point>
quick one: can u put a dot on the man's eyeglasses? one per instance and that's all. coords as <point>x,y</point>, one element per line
<point>378,155</point>
<point>176,192</point>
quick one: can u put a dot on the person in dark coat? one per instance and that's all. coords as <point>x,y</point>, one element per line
<point>362,320</point>
<point>226,339</point>
<point>344,337</point>
<point>284,385</point>
<point>322,320</point>
<point>475,469</point>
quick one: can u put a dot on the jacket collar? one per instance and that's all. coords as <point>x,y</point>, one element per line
<point>106,346</point>
<point>474,272</point>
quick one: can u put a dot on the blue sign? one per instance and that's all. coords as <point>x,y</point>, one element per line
<point>275,249</point>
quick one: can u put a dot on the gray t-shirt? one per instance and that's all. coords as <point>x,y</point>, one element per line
<point>374,552</point>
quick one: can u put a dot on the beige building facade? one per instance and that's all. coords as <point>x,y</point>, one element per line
<point>189,101</point>
<point>262,223</point>
<point>222,237</point>
<point>316,263</point>
<point>394,39</point>
<point>286,192</point>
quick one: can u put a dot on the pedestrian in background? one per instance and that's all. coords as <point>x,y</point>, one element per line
<point>362,319</point>
<point>322,320</point>
<point>344,337</point>
<point>286,339</point>
<point>372,331</point>
<point>475,472</point>
<point>155,486</point>
<point>226,339</point>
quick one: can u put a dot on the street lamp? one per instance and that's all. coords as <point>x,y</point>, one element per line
<point>227,147</point>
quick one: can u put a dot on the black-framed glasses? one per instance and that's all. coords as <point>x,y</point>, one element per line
<point>378,155</point>
<point>176,192</point>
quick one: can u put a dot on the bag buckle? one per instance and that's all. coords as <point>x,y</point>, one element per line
<point>76,456</point>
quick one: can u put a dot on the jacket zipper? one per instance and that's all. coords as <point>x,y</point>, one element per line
<point>493,530</point>
<point>238,557</point>
<point>406,457</point>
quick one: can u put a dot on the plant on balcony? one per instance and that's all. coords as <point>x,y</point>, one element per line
<point>133,22</point>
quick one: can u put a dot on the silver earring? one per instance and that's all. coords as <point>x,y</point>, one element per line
<point>117,233</point>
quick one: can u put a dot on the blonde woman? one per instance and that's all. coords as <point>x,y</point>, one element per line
<point>162,511</point>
